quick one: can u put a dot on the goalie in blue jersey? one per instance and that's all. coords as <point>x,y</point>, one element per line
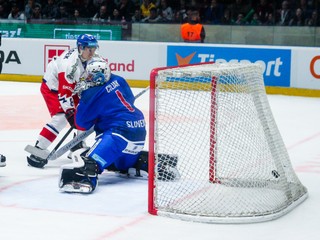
<point>107,103</point>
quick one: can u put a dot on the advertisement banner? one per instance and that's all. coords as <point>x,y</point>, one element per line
<point>58,31</point>
<point>294,67</point>
<point>18,56</point>
<point>276,63</point>
<point>306,68</point>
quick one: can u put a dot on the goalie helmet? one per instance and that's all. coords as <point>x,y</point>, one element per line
<point>98,73</point>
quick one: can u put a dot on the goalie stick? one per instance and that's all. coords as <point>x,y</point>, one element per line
<point>54,154</point>
<point>142,92</point>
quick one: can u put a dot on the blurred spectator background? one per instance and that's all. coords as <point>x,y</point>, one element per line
<point>238,12</point>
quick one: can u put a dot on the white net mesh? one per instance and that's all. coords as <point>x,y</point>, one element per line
<point>232,162</point>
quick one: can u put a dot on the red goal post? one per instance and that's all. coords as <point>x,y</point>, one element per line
<point>153,74</point>
<point>233,166</point>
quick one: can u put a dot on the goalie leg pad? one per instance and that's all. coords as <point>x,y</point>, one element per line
<point>81,176</point>
<point>166,168</point>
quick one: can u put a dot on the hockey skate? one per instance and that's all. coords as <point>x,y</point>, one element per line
<point>2,160</point>
<point>81,176</point>
<point>36,161</point>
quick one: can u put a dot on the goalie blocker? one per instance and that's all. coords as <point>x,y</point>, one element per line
<point>81,176</point>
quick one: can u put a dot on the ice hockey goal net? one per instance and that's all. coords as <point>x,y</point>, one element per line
<point>232,163</point>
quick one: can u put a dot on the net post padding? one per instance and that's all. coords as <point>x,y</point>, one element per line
<point>232,162</point>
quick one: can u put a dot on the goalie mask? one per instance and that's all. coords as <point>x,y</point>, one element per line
<point>98,73</point>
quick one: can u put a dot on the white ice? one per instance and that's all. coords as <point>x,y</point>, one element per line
<point>31,207</point>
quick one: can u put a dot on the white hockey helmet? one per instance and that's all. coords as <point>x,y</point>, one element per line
<point>98,72</point>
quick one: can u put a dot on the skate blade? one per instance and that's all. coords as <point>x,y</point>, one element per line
<point>76,188</point>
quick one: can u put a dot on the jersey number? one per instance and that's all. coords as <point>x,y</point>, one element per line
<point>190,34</point>
<point>124,102</point>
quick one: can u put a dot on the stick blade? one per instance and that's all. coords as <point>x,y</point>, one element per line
<point>42,153</point>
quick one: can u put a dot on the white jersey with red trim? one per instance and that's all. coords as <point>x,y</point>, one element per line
<point>62,73</point>
<point>67,63</point>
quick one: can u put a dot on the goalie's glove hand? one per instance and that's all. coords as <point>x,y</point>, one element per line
<point>70,117</point>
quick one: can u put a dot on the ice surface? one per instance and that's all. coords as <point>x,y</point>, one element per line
<point>31,206</point>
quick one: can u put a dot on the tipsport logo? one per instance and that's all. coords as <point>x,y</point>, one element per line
<point>51,51</point>
<point>276,63</point>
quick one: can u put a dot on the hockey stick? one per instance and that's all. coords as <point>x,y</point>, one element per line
<point>44,154</point>
<point>59,143</point>
<point>80,137</point>
<point>142,92</point>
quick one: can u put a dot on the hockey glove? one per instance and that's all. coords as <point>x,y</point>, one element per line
<point>70,117</point>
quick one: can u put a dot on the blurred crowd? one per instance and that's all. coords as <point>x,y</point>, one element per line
<point>235,12</point>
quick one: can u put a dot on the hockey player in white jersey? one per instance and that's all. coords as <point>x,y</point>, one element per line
<point>57,87</point>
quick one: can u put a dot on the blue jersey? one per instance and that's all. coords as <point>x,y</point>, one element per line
<point>110,107</point>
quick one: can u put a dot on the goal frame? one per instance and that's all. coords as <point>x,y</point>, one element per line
<point>152,209</point>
